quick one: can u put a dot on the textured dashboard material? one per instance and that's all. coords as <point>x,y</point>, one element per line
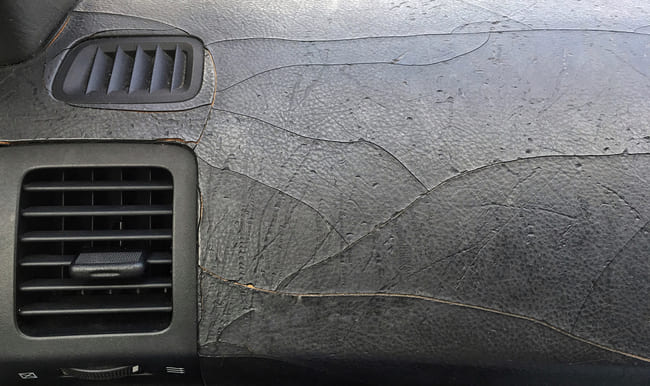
<point>448,182</point>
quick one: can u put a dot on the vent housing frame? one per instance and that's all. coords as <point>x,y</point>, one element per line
<point>65,212</point>
<point>131,70</point>
<point>45,355</point>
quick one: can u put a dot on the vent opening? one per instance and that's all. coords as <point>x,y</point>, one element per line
<point>131,70</point>
<point>65,212</point>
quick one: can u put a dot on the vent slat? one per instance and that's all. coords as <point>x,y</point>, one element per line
<point>72,285</point>
<point>104,304</point>
<point>131,234</point>
<point>98,186</point>
<point>162,69</point>
<point>159,258</point>
<point>141,75</point>
<point>99,72</point>
<point>98,210</point>
<point>180,65</point>
<point>46,260</point>
<point>121,73</point>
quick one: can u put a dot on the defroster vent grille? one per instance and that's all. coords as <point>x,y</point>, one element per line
<point>131,70</point>
<point>102,211</point>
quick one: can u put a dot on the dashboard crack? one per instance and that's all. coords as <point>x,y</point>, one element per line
<point>431,299</point>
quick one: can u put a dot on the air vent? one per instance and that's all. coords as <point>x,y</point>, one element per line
<point>131,70</point>
<point>116,219</point>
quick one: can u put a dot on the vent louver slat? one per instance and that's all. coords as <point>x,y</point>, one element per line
<point>43,236</point>
<point>122,69</point>
<point>72,285</point>
<point>142,68</point>
<point>96,186</point>
<point>46,260</point>
<point>105,305</point>
<point>161,76</point>
<point>97,210</point>
<point>131,70</point>
<point>66,212</point>
<point>99,72</point>
<point>178,74</point>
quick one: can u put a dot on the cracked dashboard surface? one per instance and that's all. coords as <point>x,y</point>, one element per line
<point>432,182</point>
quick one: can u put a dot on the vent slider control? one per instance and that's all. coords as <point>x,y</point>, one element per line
<point>108,265</point>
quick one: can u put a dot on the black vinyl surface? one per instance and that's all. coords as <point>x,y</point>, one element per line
<point>421,186</point>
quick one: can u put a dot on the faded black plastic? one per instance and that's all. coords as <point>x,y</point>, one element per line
<point>139,70</point>
<point>26,25</point>
<point>84,235</point>
<point>103,373</point>
<point>174,345</point>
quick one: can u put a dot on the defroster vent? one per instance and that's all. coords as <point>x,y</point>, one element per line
<point>131,70</point>
<point>94,252</point>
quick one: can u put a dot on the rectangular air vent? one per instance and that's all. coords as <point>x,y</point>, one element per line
<point>131,70</point>
<point>70,216</point>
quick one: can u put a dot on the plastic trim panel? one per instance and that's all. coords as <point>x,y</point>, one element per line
<point>174,346</point>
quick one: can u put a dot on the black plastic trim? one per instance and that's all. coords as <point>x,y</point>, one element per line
<point>27,26</point>
<point>97,210</point>
<point>96,186</point>
<point>131,70</point>
<point>173,346</point>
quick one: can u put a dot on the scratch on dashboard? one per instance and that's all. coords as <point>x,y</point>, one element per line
<point>388,62</point>
<point>361,140</point>
<point>214,96</point>
<point>133,17</point>
<point>396,160</point>
<point>178,140</point>
<point>602,271</point>
<point>431,299</point>
<point>329,224</point>
<point>444,33</point>
<point>287,279</point>
<point>454,178</point>
<point>505,17</point>
<point>531,208</point>
<point>260,120</point>
<point>58,33</point>
<point>200,205</point>
<point>207,117</point>
<point>484,243</point>
<point>622,198</point>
